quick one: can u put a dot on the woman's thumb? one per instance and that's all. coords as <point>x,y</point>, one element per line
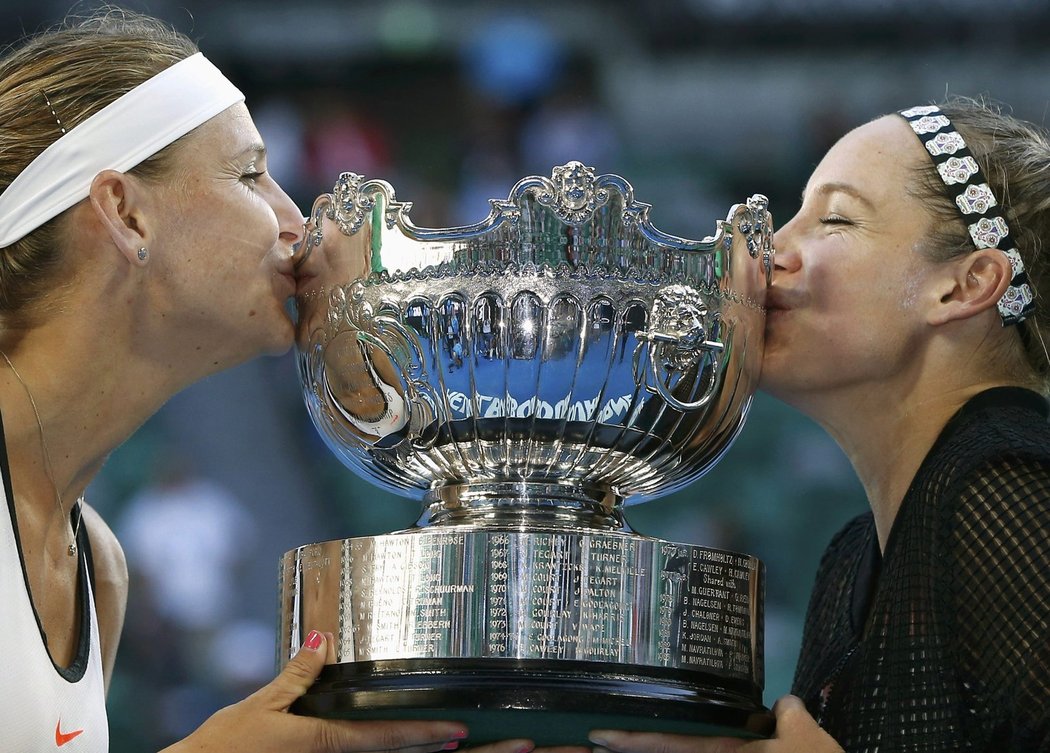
<point>298,674</point>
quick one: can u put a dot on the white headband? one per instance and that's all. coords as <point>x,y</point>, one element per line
<point>119,136</point>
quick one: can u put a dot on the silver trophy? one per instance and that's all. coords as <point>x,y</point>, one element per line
<point>527,377</point>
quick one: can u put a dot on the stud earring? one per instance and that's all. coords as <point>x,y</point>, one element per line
<point>143,253</point>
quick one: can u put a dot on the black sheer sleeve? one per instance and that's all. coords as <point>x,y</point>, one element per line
<point>998,568</point>
<point>942,642</point>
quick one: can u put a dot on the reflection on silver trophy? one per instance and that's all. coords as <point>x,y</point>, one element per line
<point>527,377</point>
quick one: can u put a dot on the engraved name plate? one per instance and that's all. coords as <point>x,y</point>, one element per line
<point>547,595</point>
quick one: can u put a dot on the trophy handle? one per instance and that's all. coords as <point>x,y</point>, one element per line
<point>676,342</point>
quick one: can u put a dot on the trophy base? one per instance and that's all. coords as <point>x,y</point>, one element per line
<point>552,702</point>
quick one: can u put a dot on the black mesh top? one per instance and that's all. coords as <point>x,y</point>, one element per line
<point>943,643</point>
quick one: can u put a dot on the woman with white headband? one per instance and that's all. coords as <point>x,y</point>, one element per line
<point>142,246</point>
<point>908,316</point>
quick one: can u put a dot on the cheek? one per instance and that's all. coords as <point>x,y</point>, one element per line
<point>245,227</point>
<point>833,297</point>
<point>909,293</point>
<point>265,224</point>
<point>852,291</point>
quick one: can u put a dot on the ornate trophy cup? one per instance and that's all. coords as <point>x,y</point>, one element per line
<point>527,377</point>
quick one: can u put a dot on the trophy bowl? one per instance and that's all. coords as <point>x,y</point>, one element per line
<point>526,378</point>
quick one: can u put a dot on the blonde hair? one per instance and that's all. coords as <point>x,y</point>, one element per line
<point>53,81</point>
<point>1015,158</point>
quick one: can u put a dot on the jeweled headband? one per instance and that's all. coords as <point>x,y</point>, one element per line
<point>976,202</point>
<point>122,134</point>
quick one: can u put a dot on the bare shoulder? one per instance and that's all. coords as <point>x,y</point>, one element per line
<point>111,585</point>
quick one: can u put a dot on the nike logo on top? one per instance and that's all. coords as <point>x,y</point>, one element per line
<point>61,738</point>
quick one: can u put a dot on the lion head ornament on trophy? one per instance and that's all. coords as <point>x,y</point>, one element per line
<point>526,378</point>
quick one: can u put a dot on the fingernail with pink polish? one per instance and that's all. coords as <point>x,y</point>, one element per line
<point>450,745</point>
<point>313,641</point>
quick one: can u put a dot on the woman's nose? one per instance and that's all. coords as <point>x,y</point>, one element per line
<point>299,246</point>
<point>290,220</point>
<point>785,258</point>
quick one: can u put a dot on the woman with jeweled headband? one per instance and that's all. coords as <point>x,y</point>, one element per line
<point>909,316</point>
<point>143,246</point>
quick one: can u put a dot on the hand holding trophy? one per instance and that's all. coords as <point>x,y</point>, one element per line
<point>527,377</point>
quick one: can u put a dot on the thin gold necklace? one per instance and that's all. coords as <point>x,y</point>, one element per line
<point>79,504</point>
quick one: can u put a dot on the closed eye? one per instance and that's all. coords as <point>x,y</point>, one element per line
<point>835,219</point>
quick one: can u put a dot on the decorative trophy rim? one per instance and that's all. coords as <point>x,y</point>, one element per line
<point>354,198</point>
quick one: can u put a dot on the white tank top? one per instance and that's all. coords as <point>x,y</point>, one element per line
<point>44,707</point>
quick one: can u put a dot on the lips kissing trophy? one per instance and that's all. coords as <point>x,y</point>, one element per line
<point>527,377</point>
